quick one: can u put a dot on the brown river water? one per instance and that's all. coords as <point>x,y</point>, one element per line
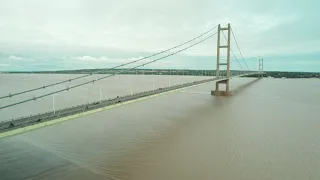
<point>267,130</point>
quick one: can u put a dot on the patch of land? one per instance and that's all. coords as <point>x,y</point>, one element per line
<point>179,72</point>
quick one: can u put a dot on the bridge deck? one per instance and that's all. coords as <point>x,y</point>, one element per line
<point>84,109</point>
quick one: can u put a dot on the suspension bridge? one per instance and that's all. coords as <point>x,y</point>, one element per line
<point>222,75</point>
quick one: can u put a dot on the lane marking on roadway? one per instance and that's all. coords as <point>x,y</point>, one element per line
<point>75,116</point>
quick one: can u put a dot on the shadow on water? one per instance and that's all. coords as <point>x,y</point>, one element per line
<point>244,86</point>
<point>220,101</point>
<point>191,125</point>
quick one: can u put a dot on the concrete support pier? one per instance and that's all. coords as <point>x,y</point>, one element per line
<point>217,92</point>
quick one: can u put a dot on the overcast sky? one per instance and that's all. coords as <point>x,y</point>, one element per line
<point>72,34</point>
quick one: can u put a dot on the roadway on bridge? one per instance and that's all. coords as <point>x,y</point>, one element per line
<point>266,130</point>
<point>116,86</point>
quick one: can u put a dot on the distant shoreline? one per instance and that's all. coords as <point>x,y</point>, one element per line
<point>180,72</point>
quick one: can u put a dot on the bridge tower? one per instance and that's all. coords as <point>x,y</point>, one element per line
<point>261,67</point>
<point>223,80</point>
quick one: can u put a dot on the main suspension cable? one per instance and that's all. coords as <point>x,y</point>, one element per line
<point>121,65</point>
<point>104,77</point>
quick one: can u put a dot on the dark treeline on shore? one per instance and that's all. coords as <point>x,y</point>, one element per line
<point>181,72</point>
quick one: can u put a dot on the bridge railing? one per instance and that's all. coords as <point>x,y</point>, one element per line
<point>78,109</point>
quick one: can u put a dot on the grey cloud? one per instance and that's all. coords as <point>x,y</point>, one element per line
<point>124,29</point>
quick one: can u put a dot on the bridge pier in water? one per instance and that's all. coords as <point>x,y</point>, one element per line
<point>217,92</point>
